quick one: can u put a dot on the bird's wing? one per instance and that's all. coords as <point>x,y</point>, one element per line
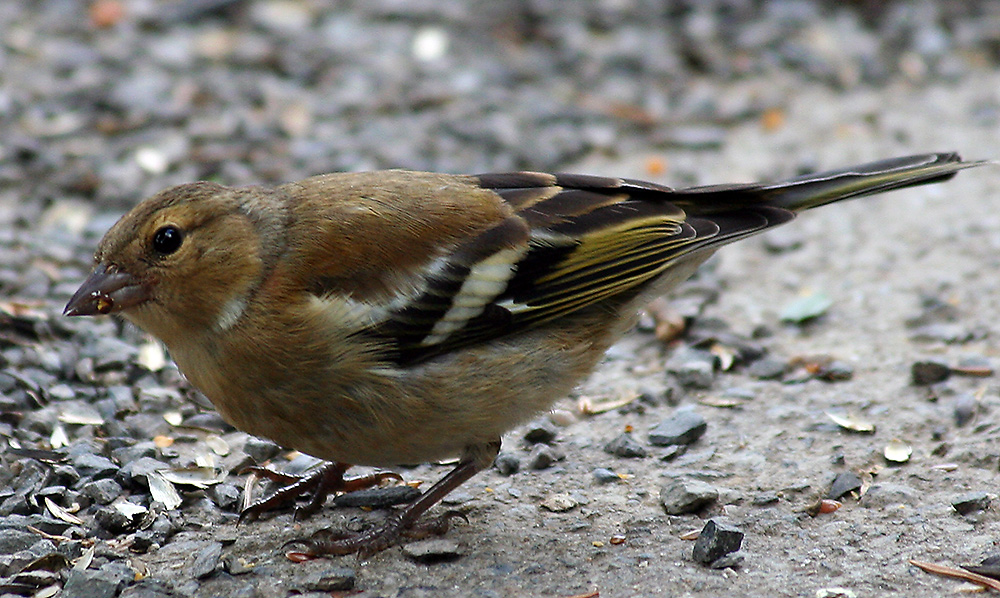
<point>571,241</point>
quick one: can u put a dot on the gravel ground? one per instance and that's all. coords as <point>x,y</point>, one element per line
<point>119,481</point>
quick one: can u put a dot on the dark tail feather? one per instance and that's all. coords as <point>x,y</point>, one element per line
<point>813,190</point>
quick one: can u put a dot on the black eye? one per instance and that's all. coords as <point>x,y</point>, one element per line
<point>167,240</point>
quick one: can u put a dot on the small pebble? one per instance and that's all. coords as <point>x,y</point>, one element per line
<point>625,446</point>
<point>544,456</point>
<point>225,495</point>
<point>972,502</point>
<point>929,372</point>
<point>260,450</point>
<point>717,539</point>
<point>683,495</point>
<point>437,550</point>
<point>207,561</point>
<point>990,567</point>
<point>333,579</point>
<point>542,431</point>
<point>605,476</point>
<point>92,584</point>
<point>13,540</point>
<point>693,368</point>
<point>768,368</point>
<point>964,408</point>
<point>684,427</point>
<point>559,503</point>
<point>94,466</point>
<point>729,561</point>
<point>101,492</point>
<point>945,333</point>
<point>507,464</point>
<point>768,497</point>
<point>845,483</point>
<point>673,451</point>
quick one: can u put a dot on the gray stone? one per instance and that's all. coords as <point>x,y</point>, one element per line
<point>929,372</point>
<point>888,494</point>
<point>964,406</point>
<point>544,456</point>
<point>114,520</point>
<point>147,588</point>
<point>683,495</point>
<point>683,427</point>
<point>507,464</point>
<point>94,466</point>
<point>207,561</point>
<point>541,431</point>
<point>763,499</point>
<point>625,446</point>
<point>432,551</point>
<point>768,368</point>
<point>92,584</point>
<point>260,450</point>
<point>333,579</point>
<point>972,502</point>
<point>134,473</point>
<point>101,492</point>
<point>13,540</point>
<point>605,476</point>
<point>717,539</point>
<point>225,495</point>
<point>729,561</point>
<point>844,483</point>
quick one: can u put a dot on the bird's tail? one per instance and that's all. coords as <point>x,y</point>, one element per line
<point>810,191</point>
<point>814,190</point>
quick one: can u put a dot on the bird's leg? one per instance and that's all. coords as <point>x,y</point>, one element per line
<point>399,523</point>
<point>324,480</point>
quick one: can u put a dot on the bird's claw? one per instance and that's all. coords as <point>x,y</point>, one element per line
<point>330,542</point>
<point>322,481</point>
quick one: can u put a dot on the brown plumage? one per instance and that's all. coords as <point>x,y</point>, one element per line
<point>397,317</point>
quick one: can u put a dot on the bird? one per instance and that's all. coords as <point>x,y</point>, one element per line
<point>397,317</point>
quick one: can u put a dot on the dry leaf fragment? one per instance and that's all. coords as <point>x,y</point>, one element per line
<point>590,406</point>
<point>163,491</point>
<point>947,571</point>
<point>806,308</point>
<point>722,402</point>
<point>199,477</point>
<point>82,563</point>
<point>61,513</point>
<point>897,451</point>
<point>163,441</point>
<point>82,416</point>
<point>691,535</point>
<point>851,421</point>
<point>59,438</point>
<point>218,444</point>
<point>151,356</point>
<point>129,509</point>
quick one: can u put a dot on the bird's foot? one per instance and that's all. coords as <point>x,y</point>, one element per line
<point>329,542</point>
<point>322,481</point>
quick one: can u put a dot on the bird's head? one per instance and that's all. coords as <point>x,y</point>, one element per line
<point>181,262</point>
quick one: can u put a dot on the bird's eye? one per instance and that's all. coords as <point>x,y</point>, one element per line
<point>167,240</point>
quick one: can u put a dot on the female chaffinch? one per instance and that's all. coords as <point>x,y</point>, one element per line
<point>395,317</point>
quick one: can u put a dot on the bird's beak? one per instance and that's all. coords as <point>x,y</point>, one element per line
<point>107,291</point>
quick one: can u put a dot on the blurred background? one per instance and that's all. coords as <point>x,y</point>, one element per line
<point>107,101</point>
